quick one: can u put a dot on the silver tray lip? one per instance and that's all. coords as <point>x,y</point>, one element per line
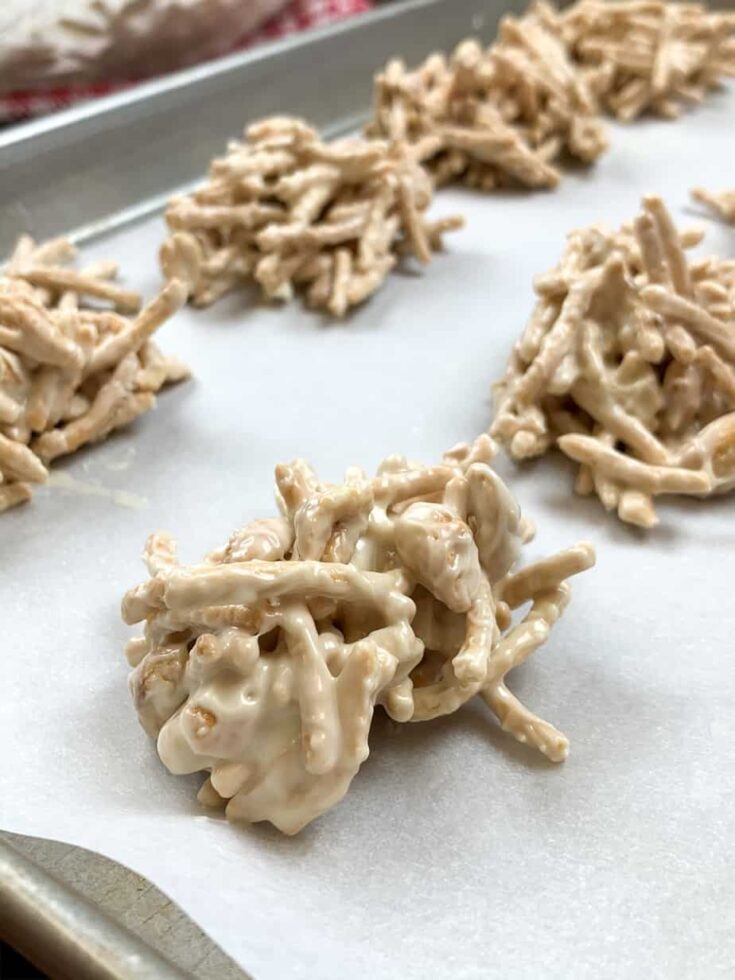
<point>95,166</point>
<point>58,929</point>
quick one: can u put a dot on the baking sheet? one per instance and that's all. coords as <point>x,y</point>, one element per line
<point>457,852</point>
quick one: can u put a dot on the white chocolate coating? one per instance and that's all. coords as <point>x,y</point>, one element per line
<point>264,664</point>
<point>290,211</point>
<point>722,204</point>
<point>70,371</point>
<point>496,116</point>
<point>628,364</point>
<point>655,57</point>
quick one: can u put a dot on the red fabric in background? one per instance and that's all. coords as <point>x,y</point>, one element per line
<point>299,15</point>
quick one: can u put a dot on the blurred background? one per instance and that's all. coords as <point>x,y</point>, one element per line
<point>55,53</point>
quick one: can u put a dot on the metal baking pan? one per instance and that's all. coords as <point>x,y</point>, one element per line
<point>85,172</point>
<point>90,168</point>
<point>454,853</point>
<point>74,913</point>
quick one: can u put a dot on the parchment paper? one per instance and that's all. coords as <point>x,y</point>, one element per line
<point>457,853</point>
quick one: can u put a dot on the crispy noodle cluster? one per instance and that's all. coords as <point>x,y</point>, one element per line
<point>76,359</point>
<point>493,116</point>
<point>263,665</point>
<point>649,55</point>
<point>628,364</point>
<point>290,211</point>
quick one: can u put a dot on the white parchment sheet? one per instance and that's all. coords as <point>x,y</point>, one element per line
<point>457,852</point>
